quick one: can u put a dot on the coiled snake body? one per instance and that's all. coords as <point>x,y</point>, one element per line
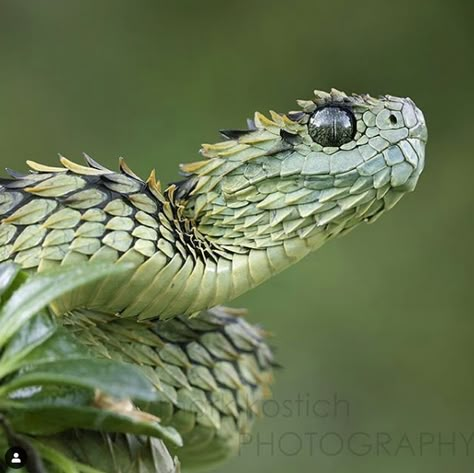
<point>259,201</point>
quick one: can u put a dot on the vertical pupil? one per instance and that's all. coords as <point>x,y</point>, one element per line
<point>334,128</point>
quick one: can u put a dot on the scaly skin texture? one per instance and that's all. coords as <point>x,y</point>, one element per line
<point>260,201</point>
<point>211,373</point>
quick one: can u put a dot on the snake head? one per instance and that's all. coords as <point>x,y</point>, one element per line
<point>310,174</point>
<point>381,138</point>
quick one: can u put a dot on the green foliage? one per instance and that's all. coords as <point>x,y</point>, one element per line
<point>50,383</point>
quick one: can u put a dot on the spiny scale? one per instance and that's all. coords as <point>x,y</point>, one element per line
<point>73,214</point>
<point>77,213</point>
<point>211,372</point>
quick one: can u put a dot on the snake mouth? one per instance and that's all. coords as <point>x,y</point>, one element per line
<point>405,161</point>
<point>416,122</point>
<point>419,132</point>
<point>406,158</point>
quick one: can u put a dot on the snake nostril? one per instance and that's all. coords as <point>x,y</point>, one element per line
<point>393,119</point>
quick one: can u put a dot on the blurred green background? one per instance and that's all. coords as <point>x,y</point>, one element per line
<point>382,319</point>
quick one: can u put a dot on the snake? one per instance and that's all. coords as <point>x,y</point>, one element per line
<point>256,203</point>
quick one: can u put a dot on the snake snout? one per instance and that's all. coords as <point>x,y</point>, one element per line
<point>415,121</point>
<point>407,158</point>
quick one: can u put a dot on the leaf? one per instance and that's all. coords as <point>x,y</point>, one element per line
<point>34,333</point>
<point>119,380</point>
<point>61,345</point>
<point>41,289</point>
<point>40,340</point>
<point>8,273</point>
<point>47,419</point>
<point>30,335</point>
<point>13,282</point>
<point>56,378</point>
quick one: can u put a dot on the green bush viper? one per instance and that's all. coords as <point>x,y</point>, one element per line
<point>258,202</point>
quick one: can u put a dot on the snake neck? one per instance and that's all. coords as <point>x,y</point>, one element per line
<point>191,270</point>
<point>204,270</point>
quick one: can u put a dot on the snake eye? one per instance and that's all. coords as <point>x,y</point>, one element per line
<point>332,126</point>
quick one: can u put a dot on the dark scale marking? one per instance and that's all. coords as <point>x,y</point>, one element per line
<point>290,138</point>
<point>234,134</point>
<point>25,200</point>
<point>15,174</point>
<point>297,116</point>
